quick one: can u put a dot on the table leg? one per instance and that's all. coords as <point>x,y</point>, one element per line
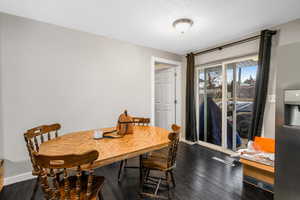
<point>141,171</point>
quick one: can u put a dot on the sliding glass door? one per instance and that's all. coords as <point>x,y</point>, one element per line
<point>210,104</point>
<point>243,87</point>
<point>225,95</point>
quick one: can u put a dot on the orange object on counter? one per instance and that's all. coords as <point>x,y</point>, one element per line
<point>264,144</point>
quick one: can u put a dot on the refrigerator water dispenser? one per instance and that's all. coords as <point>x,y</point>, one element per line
<point>292,107</point>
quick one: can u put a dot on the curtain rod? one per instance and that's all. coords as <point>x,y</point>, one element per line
<point>228,45</point>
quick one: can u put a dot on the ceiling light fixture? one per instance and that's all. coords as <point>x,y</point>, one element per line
<point>182,25</point>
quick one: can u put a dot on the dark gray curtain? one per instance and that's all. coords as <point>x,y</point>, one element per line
<point>190,124</point>
<point>262,79</point>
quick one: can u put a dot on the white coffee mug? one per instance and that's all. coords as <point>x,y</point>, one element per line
<point>98,134</point>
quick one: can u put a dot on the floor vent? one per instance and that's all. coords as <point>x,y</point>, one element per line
<point>226,162</point>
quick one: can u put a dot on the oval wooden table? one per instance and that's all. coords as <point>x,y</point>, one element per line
<point>143,140</point>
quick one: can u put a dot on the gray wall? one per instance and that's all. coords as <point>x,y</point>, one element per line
<point>288,33</point>
<point>1,129</point>
<point>54,74</point>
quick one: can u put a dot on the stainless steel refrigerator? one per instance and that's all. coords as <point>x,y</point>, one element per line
<point>287,158</point>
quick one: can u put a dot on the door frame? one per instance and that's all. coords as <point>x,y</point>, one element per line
<point>178,66</point>
<point>224,98</point>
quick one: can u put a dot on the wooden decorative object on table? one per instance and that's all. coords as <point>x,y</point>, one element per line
<point>1,174</point>
<point>137,121</point>
<point>125,124</point>
<point>163,164</point>
<point>79,186</point>
<point>34,138</point>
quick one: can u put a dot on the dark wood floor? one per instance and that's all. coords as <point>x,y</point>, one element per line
<point>197,177</point>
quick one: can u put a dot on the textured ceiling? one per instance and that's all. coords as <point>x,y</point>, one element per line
<point>149,22</point>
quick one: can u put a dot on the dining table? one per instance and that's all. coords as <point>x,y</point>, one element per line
<point>144,139</point>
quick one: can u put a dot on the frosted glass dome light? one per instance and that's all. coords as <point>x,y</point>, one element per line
<point>182,25</point>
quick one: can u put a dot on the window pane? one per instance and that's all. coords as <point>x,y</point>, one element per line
<point>210,105</point>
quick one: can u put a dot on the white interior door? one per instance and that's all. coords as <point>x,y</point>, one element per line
<point>165,96</point>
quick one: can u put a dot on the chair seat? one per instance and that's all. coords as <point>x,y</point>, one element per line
<point>97,185</point>
<point>160,153</point>
<point>158,162</point>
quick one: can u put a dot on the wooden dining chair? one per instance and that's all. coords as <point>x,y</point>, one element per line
<point>165,164</point>
<point>84,185</point>
<point>140,121</point>
<point>137,121</point>
<point>34,138</point>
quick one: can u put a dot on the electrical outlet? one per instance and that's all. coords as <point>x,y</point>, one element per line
<point>272,98</point>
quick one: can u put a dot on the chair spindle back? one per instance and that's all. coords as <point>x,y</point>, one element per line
<point>173,146</point>
<point>51,186</point>
<point>36,136</point>
<point>140,121</point>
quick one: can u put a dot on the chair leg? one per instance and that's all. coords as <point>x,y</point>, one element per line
<point>147,174</point>
<point>168,184</point>
<point>142,181</point>
<point>141,169</point>
<point>157,185</point>
<point>101,197</point>
<point>36,185</point>
<point>172,178</point>
<point>120,171</point>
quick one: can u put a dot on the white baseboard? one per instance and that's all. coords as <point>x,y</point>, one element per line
<point>216,148</point>
<point>188,142</point>
<point>18,178</point>
<point>210,146</point>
